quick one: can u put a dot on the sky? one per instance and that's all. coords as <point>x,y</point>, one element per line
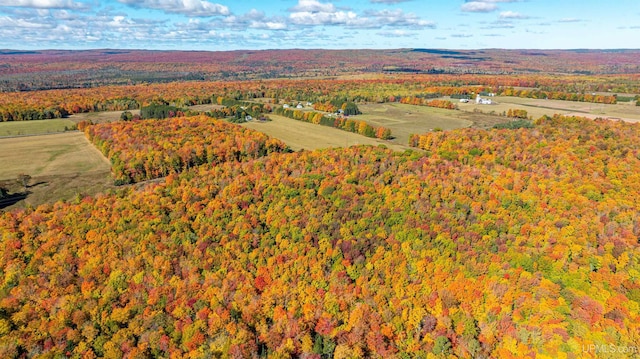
<point>219,25</point>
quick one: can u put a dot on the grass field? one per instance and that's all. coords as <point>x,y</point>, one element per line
<point>61,166</point>
<point>100,117</point>
<point>21,128</point>
<point>302,135</point>
<point>404,120</point>
<point>536,108</point>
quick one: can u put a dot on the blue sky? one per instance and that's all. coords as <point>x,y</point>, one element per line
<point>329,24</point>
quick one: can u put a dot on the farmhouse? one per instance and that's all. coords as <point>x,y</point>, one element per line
<point>483,101</point>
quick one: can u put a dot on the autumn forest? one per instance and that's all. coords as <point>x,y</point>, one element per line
<point>516,236</point>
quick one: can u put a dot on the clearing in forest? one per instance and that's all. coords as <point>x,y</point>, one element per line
<point>61,166</point>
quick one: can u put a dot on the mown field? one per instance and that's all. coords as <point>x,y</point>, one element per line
<point>100,117</point>
<point>303,135</point>
<point>405,120</point>
<point>61,166</point>
<point>539,107</point>
<point>24,128</point>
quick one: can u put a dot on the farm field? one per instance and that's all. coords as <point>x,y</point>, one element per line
<point>25,128</point>
<point>302,135</point>
<point>539,107</point>
<point>405,120</point>
<point>61,166</point>
<point>99,117</point>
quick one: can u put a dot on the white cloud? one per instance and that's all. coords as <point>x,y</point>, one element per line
<point>396,33</point>
<point>313,6</point>
<point>8,22</point>
<point>315,13</point>
<point>397,18</point>
<point>254,19</point>
<point>570,19</point>
<point>324,18</point>
<point>268,25</point>
<point>479,6</point>
<point>199,8</point>
<point>483,5</point>
<point>44,4</point>
<point>388,1</point>
<point>512,15</point>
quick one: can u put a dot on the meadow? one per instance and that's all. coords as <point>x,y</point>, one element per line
<point>62,166</point>
<point>26,128</point>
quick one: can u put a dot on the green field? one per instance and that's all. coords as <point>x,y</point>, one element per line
<point>22,128</point>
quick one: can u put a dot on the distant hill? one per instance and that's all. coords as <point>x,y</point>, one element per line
<point>51,69</point>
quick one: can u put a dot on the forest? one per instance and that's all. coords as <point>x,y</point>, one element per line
<point>487,244</point>
<point>519,240</point>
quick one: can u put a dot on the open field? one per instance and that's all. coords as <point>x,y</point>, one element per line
<point>404,120</point>
<point>302,135</point>
<point>22,128</point>
<point>205,108</point>
<point>100,117</point>
<point>61,166</point>
<point>536,108</point>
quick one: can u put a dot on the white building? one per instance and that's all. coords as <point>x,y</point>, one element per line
<point>483,101</point>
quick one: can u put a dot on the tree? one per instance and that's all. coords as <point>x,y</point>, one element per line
<point>24,179</point>
<point>126,116</point>
<point>3,192</point>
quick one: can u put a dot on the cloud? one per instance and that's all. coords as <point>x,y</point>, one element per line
<point>254,19</point>
<point>44,4</point>
<point>8,22</point>
<point>313,6</point>
<point>479,6</point>
<point>325,18</point>
<point>512,15</point>
<point>570,19</point>
<point>315,13</point>
<point>199,8</point>
<point>388,1</point>
<point>268,25</point>
<point>397,18</point>
<point>396,33</point>
<point>483,5</point>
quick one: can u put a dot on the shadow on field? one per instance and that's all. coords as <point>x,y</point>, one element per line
<point>12,199</point>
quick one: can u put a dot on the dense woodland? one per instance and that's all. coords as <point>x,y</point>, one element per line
<point>500,243</point>
<point>145,150</point>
